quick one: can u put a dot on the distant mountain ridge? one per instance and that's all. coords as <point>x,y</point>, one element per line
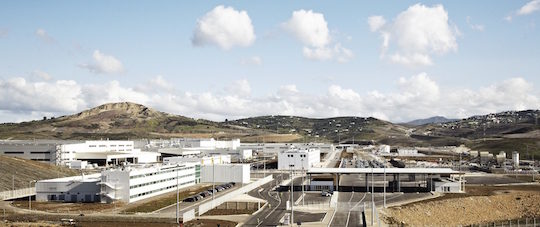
<point>431,120</point>
<point>509,130</point>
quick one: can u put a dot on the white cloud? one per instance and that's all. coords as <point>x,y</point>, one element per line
<point>337,52</point>
<point>239,88</point>
<point>529,8</point>
<point>311,29</point>
<point>376,23</point>
<point>254,60</point>
<point>18,94</point>
<point>413,97</point>
<point>44,36</point>
<point>41,74</point>
<point>225,27</point>
<point>103,63</point>
<point>415,34</point>
<point>477,27</point>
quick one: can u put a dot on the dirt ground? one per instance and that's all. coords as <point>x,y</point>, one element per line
<point>164,200</point>
<point>59,207</point>
<point>228,212</point>
<point>481,204</point>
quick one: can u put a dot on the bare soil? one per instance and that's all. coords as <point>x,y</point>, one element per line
<point>156,203</point>
<point>59,207</point>
<point>229,212</point>
<point>481,204</point>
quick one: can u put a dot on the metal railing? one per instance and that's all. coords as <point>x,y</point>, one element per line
<point>17,193</point>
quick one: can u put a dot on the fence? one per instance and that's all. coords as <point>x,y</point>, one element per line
<point>188,216</point>
<point>203,208</point>
<point>17,193</point>
<point>522,222</point>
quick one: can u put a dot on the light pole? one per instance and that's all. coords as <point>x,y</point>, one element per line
<point>292,196</point>
<point>303,195</point>
<point>372,199</point>
<point>177,197</point>
<point>30,197</point>
<point>213,180</point>
<point>384,187</point>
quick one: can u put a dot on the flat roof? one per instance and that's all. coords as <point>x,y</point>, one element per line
<point>87,178</point>
<point>383,170</point>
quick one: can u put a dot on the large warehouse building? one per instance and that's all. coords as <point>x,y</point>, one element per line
<point>65,152</point>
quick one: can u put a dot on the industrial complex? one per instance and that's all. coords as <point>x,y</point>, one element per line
<point>115,171</point>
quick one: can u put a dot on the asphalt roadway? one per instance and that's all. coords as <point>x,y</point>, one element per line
<point>274,212</point>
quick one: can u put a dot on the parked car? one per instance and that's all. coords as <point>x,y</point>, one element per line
<point>219,188</point>
<point>233,183</point>
<point>189,199</point>
<point>326,193</point>
<point>198,197</point>
<point>205,193</point>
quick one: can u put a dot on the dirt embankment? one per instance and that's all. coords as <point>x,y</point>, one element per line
<point>483,205</point>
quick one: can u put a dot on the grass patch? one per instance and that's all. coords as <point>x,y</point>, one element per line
<point>159,203</point>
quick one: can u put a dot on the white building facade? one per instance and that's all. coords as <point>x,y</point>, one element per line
<point>224,173</point>
<point>134,184</point>
<point>103,152</point>
<point>206,160</point>
<point>69,189</point>
<point>296,159</point>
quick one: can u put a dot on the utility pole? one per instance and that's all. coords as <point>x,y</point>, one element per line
<point>384,188</point>
<point>177,197</point>
<point>303,195</point>
<point>30,196</point>
<point>213,180</point>
<point>372,198</point>
<point>292,197</point>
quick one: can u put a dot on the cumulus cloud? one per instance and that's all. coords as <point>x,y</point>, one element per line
<point>477,27</point>
<point>254,60</point>
<point>529,8</point>
<point>224,27</point>
<point>413,97</point>
<point>239,88</point>
<point>311,29</point>
<point>415,34</point>
<point>44,36</point>
<point>376,22</point>
<point>41,75</point>
<point>103,63</point>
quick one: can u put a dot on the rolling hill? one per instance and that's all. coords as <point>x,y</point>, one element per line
<point>431,120</point>
<point>510,130</point>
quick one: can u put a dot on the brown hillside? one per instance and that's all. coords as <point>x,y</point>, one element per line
<point>24,171</point>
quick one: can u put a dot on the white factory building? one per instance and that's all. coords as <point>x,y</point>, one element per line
<point>195,143</point>
<point>103,152</point>
<point>70,189</point>
<point>70,152</point>
<point>298,159</point>
<point>407,152</point>
<point>205,160</point>
<point>277,147</point>
<point>133,184</point>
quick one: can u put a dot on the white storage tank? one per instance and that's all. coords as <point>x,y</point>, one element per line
<point>515,158</point>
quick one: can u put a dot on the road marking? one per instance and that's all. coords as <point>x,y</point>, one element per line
<point>349,213</point>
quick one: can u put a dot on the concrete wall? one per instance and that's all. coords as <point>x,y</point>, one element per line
<point>239,173</point>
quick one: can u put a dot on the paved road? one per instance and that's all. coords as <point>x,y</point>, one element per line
<point>274,212</point>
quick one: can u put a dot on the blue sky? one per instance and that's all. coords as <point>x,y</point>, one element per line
<point>218,60</point>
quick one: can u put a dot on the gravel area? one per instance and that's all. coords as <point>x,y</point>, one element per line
<point>482,205</point>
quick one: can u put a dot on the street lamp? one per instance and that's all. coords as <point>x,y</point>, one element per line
<point>30,197</point>
<point>177,196</point>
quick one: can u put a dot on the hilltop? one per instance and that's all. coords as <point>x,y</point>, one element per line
<point>113,120</point>
<point>510,130</point>
<point>431,120</point>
